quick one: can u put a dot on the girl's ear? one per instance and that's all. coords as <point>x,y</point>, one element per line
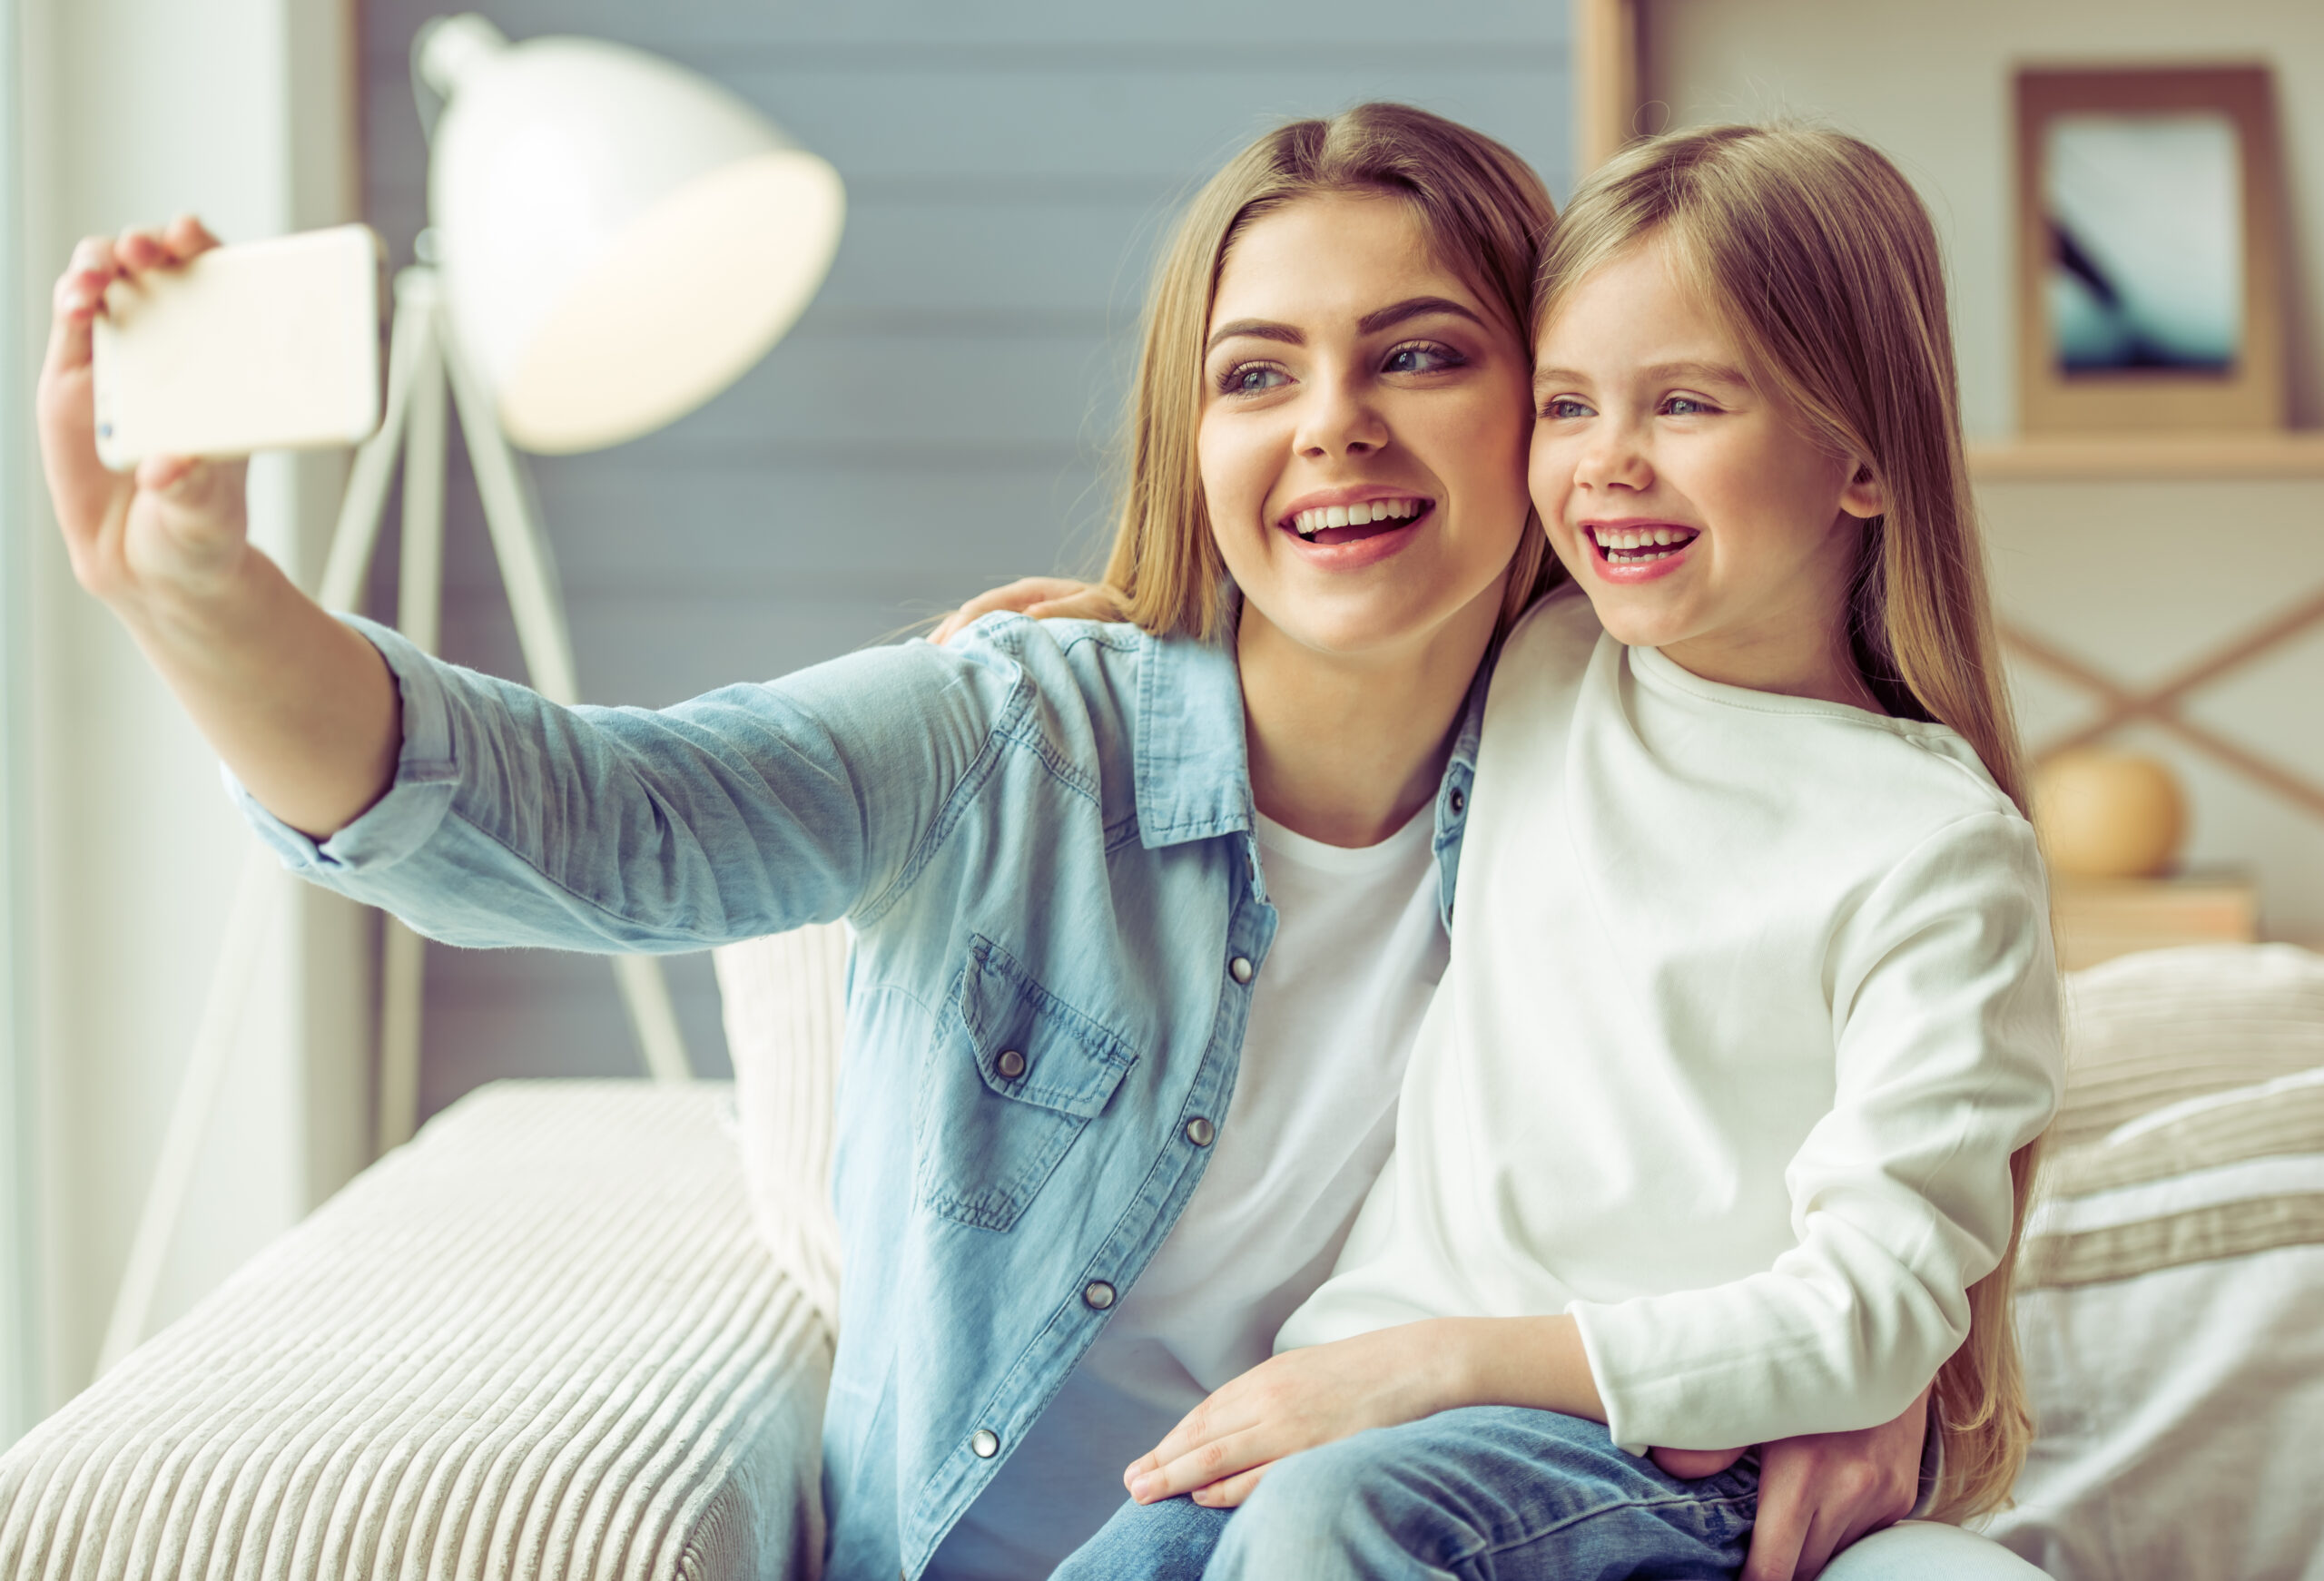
<point>1864,497</point>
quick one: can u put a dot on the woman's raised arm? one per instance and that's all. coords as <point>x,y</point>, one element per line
<point>302,709</point>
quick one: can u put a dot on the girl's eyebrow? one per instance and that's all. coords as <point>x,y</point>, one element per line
<point>1698,372</point>
<point>1371,323</point>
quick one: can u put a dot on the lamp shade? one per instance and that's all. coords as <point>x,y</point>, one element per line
<point>618,238</point>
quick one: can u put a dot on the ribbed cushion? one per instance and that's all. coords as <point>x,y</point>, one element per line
<point>543,1341</point>
<point>786,998</point>
<point>2169,1024</point>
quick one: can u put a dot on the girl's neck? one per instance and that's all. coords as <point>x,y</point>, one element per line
<point>1783,665</point>
<point>1345,749</point>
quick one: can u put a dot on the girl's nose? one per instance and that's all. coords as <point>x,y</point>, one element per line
<point>1613,459</point>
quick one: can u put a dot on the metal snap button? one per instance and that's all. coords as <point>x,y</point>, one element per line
<point>1241,967</point>
<point>985,1444</point>
<point>1011,1065</point>
<point>1200,1130</point>
<point>1098,1295</point>
<point>1458,801</point>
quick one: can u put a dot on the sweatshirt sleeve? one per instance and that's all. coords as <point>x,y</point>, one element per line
<point>1946,1021</point>
<point>750,810</point>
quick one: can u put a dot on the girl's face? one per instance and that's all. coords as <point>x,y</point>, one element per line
<point>1692,508</point>
<point>1363,433</point>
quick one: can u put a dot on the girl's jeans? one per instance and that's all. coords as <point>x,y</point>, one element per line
<point>1488,1492</point>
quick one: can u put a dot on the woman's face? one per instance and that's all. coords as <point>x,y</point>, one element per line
<point>1363,432</point>
<point>1691,506</point>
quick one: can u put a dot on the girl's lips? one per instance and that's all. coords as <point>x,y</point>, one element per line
<point>1638,562</point>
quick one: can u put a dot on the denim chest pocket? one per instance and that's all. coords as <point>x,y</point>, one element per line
<point>1017,1074</point>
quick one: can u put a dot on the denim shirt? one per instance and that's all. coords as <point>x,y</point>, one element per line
<point>1041,834</point>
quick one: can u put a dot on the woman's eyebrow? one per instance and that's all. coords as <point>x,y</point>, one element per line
<point>1414,307</point>
<point>1258,329</point>
<point>1371,323</point>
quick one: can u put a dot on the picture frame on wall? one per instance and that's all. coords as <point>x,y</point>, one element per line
<point>2150,234</point>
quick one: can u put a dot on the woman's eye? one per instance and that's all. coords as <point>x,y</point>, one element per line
<point>1422,357</point>
<point>1564,407</point>
<point>1251,377</point>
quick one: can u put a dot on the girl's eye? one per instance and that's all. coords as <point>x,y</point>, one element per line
<point>1251,377</point>
<point>1422,357</point>
<point>1562,408</point>
<point>1685,407</point>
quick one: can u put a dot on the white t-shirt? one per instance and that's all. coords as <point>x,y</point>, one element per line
<point>1751,999</point>
<point>1358,948</point>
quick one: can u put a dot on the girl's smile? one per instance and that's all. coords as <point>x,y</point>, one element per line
<point>1638,549</point>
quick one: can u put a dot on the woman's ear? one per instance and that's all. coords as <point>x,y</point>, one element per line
<point>1864,497</point>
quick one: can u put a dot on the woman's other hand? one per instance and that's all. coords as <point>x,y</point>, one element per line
<point>1296,1400</point>
<point>1821,1492</point>
<point>1042,597</point>
<point>176,525</point>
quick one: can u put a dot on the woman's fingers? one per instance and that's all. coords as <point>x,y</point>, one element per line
<point>1778,1538</point>
<point>1692,1465</point>
<point>1213,1461</point>
<point>1230,1493</point>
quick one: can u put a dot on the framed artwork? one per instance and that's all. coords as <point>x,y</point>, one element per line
<point>2150,226</point>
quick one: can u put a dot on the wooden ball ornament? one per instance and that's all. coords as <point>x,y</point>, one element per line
<point>2106,814</point>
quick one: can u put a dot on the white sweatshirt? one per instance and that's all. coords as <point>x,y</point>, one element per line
<point>1751,998</point>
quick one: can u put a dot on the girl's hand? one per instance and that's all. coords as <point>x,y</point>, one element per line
<point>1290,1402</point>
<point>177,525</point>
<point>1042,597</point>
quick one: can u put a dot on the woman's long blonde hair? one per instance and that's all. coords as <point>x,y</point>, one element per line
<point>1820,259</point>
<point>1484,213</point>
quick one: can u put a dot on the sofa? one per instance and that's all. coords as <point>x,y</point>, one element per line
<point>582,1329</point>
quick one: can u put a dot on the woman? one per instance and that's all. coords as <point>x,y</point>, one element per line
<point>1072,956</point>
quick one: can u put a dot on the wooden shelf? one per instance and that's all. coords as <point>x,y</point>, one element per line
<point>2097,919</point>
<point>2105,457</point>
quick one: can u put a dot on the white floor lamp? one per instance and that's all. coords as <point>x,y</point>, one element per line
<point>614,241</point>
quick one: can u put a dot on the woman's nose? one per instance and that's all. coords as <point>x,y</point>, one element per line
<point>1338,420</point>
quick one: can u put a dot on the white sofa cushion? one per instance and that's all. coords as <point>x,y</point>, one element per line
<point>785,1000</point>
<point>542,1341</point>
<point>2173,1274</point>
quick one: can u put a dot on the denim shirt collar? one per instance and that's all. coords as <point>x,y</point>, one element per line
<point>1193,767</point>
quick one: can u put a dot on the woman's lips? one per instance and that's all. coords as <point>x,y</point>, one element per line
<point>1351,547</point>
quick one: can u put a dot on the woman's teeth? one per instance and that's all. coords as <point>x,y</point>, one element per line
<point>1307,524</point>
<point>1636,545</point>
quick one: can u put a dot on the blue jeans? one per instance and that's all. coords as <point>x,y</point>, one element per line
<point>1491,1493</point>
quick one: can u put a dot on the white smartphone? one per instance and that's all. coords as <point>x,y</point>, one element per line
<point>267,346</point>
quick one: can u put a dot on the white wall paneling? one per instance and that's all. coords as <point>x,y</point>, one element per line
<point>936,421</point>
<point>20,1392</point>
<point>134,110</point>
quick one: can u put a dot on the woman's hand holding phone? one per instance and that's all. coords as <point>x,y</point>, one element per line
<point>302,708</point>
<point>173,529</point>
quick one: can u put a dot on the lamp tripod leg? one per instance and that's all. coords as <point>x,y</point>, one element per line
<point>528,572</point>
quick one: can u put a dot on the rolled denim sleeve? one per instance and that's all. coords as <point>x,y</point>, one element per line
<point>749,810</point>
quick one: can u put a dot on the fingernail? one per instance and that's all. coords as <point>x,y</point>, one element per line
<point>1142,1490</point>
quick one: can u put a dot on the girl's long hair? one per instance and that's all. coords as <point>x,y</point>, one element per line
<point>1821,260</point>
<point>1484,213</point>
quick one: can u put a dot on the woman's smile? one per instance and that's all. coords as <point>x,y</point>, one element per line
<point>1357,525</point>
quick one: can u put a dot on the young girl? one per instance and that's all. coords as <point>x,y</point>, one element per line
<point>1719,1126</point>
